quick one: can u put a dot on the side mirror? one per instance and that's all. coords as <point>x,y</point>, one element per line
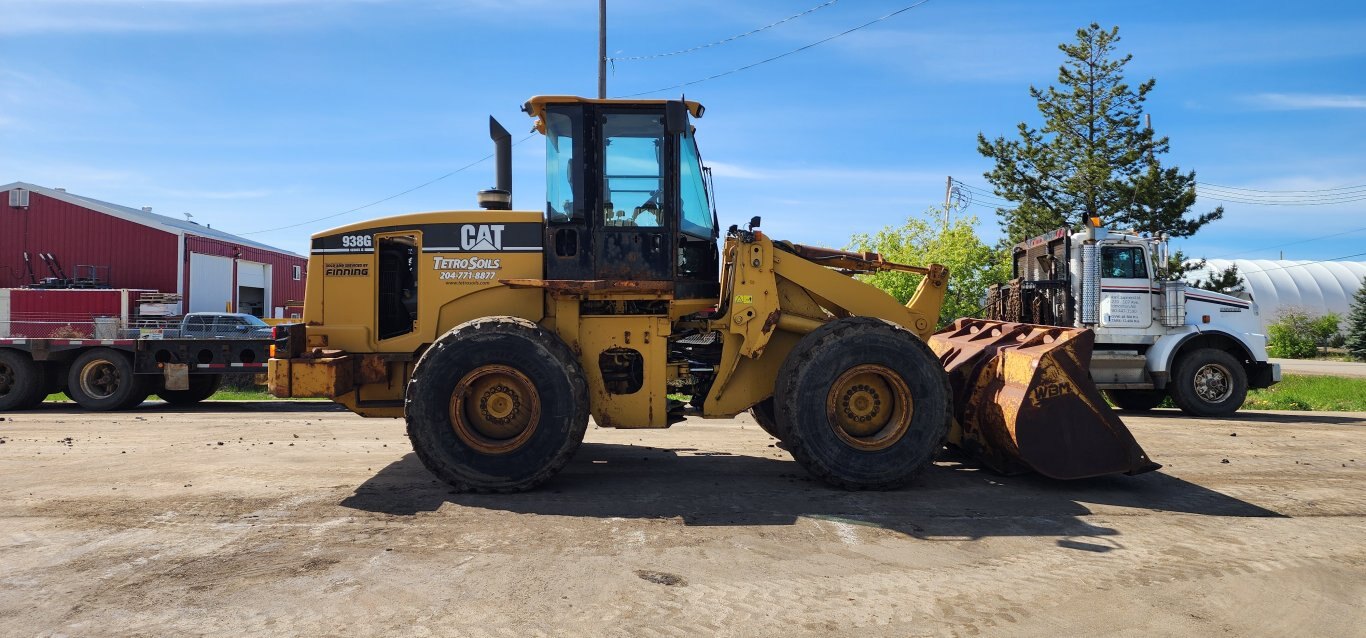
<point>754,222</point>
<point>675,117</point>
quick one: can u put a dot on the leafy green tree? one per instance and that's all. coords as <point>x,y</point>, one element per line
<point>1356,324</point>
<point>1290,336</point>
<point>1092,157</point>
<point>1325,330</point>
<point>924,240</point>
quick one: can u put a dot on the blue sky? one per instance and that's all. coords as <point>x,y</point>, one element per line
<point>255,114</point>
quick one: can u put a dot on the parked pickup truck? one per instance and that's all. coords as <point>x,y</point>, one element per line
<point>220,325</point>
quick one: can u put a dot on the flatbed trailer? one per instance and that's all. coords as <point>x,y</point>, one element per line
<point>118,374</point>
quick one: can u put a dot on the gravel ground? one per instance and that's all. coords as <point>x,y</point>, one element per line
<point>298,519</point>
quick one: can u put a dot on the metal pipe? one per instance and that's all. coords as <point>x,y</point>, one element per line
<point>602,49</point>
<point>797,323</point>
<point>502,142</point>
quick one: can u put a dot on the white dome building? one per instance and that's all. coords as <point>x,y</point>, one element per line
<point>1317,287</point>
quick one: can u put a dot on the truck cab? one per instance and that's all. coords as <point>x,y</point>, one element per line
<point>1155,338</point>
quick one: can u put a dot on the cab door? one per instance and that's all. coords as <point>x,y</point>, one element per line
<point>636,217</point>
<point>1125,287</point>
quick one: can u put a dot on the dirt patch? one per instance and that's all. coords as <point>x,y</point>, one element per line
<point>140,523</point>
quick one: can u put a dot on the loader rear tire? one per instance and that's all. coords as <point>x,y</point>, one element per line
<point>1136,400</point>
<point>102,379</point>
<point>21,381</point>
<point>765,415</point>
<point>867,403</point>
<point>202,386</point>
<point>1208,382</point>
<point>497,404</point>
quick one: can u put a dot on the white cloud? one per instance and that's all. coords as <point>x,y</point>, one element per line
<point>123,16</point>
<point>820,174</point>
<point>1306,101</point>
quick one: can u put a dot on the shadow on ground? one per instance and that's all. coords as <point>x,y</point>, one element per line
<point>951,500</point>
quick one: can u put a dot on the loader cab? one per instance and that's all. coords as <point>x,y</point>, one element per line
<point>627,198</point>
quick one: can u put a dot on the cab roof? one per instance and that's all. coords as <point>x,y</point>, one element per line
<point>535,107</point>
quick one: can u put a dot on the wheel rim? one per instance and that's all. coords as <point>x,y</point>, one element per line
<point>100,379</point>
<point>6,379</point>
<point>869,407</point>
<point>495,409</point>
<point>1213,383</point>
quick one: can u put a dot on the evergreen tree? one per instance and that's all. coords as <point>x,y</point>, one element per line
<point>1092,157</point>
<point>1178,264</point>
<point>1356,324</point>
<point>1227,281</point>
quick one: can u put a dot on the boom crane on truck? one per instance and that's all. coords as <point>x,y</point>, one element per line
<point>497,333</point>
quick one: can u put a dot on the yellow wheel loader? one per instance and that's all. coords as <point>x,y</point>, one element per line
<point>496,333</point>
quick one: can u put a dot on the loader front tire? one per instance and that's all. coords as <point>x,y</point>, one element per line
<point>1208,382</point>
<point>1136,400</point>
<point>497,404</point>
<point>866,402</point>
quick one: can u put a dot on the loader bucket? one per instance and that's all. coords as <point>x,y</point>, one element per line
<point>1023,400</point>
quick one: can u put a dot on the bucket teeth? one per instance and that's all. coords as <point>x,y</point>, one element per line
<point>1024,401</point>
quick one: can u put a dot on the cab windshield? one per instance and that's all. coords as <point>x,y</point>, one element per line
<point>697,218</point>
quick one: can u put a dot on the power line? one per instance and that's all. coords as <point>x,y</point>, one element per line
<point>381,201</point>
<point>1306,202</point>
<point>1231,197</point>
<point>780,56</point>
<point>1282,196</point>
<point>1293,243</point>
<point>720,42</point>
<point>1306,263</point>
<point>974,192</point>
<point>1256,190</point>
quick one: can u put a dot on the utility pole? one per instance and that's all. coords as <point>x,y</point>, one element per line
<point>948,194</point>
<point>602,49</point>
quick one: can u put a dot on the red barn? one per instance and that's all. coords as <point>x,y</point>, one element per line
<point>135,248</point>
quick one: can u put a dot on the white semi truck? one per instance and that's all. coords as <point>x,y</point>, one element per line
<point>1154,338</point>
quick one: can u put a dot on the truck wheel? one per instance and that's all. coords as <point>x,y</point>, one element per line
<point>866,402</point>
<point>202,386</point>
<point>1136,400</point>
<point>21,381</point>
<point>764,414</point>
<point>497,404</point>
<point>1208,382</point>
<point>102,379</point>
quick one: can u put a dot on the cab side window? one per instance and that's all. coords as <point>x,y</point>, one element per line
<point>1122,262</point>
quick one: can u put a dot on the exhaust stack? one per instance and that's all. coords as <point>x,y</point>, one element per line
<point>500,196</point>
